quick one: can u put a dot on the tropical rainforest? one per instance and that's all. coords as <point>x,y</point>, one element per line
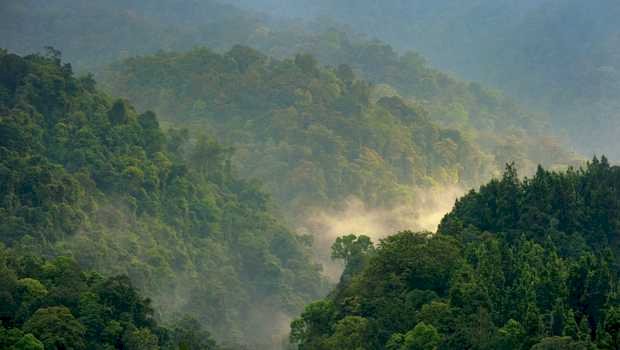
<point>558,56</point>
<point>87,177</point>
<point>261,174</point>
<point>518,264</point>
<point>316,135</point>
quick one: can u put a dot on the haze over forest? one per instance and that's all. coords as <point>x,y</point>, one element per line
<point>312,175</point>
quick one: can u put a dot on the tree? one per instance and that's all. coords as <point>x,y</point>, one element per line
<point>353,250</point>
<point>560,343</point>
<point>120,112</point>
<point>510,336</point>
<point>140,339</point>
<point>310,330</point>
<point>188,334</point>
<point>612,327</point>
<point>307,63</point>
<point>57,329</point>
<point>28,342</point>
<point>346,74</point>
<point>350,333</point>
<point>350,248</point>
<point>422,337</point>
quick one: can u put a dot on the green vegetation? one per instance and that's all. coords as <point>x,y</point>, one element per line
<point>91,34</point>
<point>557,56</point>
<point>560,56</point>
<point>518,264</point>
<point>502,128</point>
<point>85,176</point>
<point>317,135</point>
<point>56,305</point>
<point>118,233</point>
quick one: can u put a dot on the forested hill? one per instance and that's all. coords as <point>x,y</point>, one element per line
<point>91,34</point>
<point>55,304</point>
<point>127,29</point>
<point>86,176</point>
<point>317,135</point>
<point>519,264</point>
<point>558,55</point>
<point>130,28</point>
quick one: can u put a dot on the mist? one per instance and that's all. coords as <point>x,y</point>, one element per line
<point>558,57</point>
<point>423,213</point>
<point>325,118</point>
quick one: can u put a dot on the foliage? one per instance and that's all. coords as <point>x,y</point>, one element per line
<point>518,264</point>
<point>74,309</point>
<point>558,56</point>
<point>87,176</point>
<point>473,130</point>
<point>315,135</point>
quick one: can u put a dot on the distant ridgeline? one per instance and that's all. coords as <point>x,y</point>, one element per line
<point>81,29</point>
<point>557,55</point>
<point>92,34</point>
<point>85,176</point>
<point>519,264</point>
<point>317,135</point>
<point>570,70</point>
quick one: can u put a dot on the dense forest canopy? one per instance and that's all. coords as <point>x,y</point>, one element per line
<point>182,190</point>
<point>94,33</point>
<point>54,304</point>
<point>317,135</point>
<point>519,264</point>
<point>560,56</point>
<point>86,176</point>
<point>555,56</point>
<point>131,28</point>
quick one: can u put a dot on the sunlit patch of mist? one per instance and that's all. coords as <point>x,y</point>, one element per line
<point>354,216</point>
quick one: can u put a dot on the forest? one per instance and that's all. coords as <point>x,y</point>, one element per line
<point>559,56</point>
<point>309,175</point>
<point>316,135</point>
<point>85,176</point>
<point>518,264</point>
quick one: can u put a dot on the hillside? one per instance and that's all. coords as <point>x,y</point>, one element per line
<point>555,57</point>
<point>571,70</point>
<point>127,29</point>
<point>309,175</point>
<point>91,34</point>
<point>86,176</point>
<point>518,264</point>
<point>317,135</point>
<point>558,56</point>
<point>54,304</point>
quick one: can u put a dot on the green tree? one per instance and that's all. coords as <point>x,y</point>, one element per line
<point>422,337</point>
<point>189,334</point>
<point>350,333</point>
<point>351,248</point>
<point>28,342</point>
<point>510,336</point>
<point>140,339</point>
<point>56,328</point>
<point>560,343</point>
<point>311,329</point>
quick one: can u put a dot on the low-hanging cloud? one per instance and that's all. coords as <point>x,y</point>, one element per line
<point>424,213</point>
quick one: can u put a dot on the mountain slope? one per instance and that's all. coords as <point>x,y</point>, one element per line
<point>55,304</point>
<point>92,34</point>
<point>317,135</point>
<point>88,177</point>
<point>554,55</point>
<point>519,264</point>
<point>132,28</point>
